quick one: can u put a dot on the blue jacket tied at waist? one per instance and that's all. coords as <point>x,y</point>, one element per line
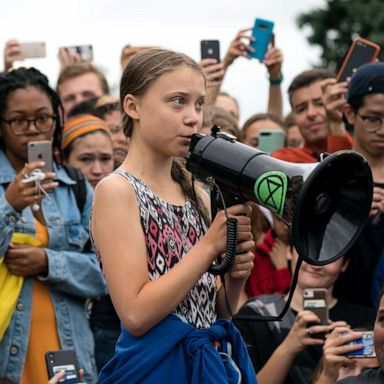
<point>176,352</point>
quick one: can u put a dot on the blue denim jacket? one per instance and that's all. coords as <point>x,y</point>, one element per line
<point>72,277</point>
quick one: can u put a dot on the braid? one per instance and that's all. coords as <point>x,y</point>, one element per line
<point>181,175</point>
<point>30,77</point>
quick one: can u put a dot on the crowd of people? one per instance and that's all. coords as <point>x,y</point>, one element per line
<point>107,254</point>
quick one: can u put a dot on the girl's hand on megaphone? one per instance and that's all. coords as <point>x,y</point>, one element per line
<point>217,232</point>
<point>242,266</point>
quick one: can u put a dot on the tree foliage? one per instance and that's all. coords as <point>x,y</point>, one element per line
<point>340,21</point>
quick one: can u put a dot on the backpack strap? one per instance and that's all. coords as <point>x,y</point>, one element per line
<point>272,305</point>
<point>79,189</point>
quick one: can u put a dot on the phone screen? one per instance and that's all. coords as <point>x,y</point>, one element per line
<point>70,373</point>
<point>361,54</point>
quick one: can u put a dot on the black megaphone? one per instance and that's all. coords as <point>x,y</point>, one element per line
<point>326,203</point>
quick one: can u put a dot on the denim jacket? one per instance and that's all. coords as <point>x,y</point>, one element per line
<point>72,276</point>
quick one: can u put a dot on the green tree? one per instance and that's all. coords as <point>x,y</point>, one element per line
<point>334,26</point>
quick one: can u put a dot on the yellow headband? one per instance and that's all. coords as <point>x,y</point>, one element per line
<point>79,126</point>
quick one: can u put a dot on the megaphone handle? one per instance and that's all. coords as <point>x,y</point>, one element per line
<point>230,254</point>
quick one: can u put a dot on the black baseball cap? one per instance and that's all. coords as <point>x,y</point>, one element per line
<point>367,80</point>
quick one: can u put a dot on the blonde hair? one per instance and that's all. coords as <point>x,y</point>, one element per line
<point>146,67</point>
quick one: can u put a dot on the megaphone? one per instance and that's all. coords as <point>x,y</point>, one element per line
<point>326,203</point>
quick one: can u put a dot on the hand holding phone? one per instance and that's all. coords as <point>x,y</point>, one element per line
<point>57,361</point>
<point>41,151</point>
<point>75,54</point>
<point>262,34</point>
<point>33,50</point>
<point>315,300</point>
<point>366,340</point>
<point>210,49</point>
<point>361,52</point>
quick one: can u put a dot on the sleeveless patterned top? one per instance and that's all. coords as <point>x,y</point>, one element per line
<point>170,232</point>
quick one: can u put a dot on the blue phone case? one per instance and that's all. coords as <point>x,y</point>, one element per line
<point>262,32</point>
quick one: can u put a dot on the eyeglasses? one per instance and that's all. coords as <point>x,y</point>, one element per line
<point>372,123</point>
<point>20,125</point>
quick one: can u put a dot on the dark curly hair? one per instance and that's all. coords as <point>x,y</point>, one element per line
<point>22,78</point>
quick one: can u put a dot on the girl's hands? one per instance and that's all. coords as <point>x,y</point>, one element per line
<point>216,236</point>
<point>20,194</point>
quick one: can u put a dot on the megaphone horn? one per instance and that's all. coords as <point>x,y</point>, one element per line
<point>326,203</point>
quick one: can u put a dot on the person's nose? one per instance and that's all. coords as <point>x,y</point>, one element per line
<point>193,117</point>
<point>32,129</point>
<point>380,131</point>
<point>312,111</point>
<point>97,168</point>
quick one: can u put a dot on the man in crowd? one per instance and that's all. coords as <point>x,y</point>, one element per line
<point>365,111</point>
<point>79,82</point>
<point>315,98</point>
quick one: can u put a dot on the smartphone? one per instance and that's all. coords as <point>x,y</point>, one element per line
<point>315,300</point>
<point>66,361</point>
<point>262,32</point>
<point>85,52</point>
<point>368,350</point>
<point>210,49</point>
<point>33,50</point>
<point>270,140</point>
<point>41,151</point>
<point>360,52</point>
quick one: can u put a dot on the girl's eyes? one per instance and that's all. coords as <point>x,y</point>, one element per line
<point>181,101</point>
<point>178,100</point>
<point>200,103</point>
<point>86,159</point>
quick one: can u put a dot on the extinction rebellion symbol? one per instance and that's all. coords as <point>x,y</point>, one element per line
<point>270,189</point>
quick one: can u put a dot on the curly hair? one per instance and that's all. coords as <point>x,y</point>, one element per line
<point>22,78</point>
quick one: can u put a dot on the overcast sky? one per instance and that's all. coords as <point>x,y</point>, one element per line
<point>179,25</point>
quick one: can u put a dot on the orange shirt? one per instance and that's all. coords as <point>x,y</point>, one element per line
<point>43,334</point>
<point>307,154</point>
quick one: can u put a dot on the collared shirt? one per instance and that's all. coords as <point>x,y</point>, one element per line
<point>307,154</point>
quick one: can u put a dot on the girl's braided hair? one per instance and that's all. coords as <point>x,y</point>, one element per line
<point>22,78</point>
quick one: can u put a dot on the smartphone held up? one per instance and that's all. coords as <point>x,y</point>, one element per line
<point>262,32</point>
<point>315,300</point>
<point>361,52</point>
<point>210,49</point>
<point>41,151</point>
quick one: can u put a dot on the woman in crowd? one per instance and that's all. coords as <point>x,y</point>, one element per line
<point>56,273</point>
<point>87,146</point>
<point>155,249</point>
<point>289,351</point>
